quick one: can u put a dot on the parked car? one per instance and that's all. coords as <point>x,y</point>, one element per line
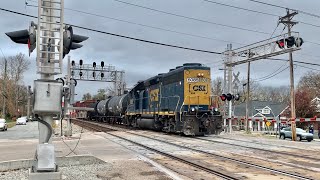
<point>21,120</point>
<point>301,134</point>
<point>3,125</point>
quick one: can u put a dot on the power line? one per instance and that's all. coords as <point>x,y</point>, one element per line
<point>255,11</point>
<point>122,36</point>
<point>241,8</point>
<point>190,18</point>
<point>300,62</point>
<point>148,26</point>
<point>273,5</point>
<point>273,74</point>
<point>270,73</point>
<point>308,67</point>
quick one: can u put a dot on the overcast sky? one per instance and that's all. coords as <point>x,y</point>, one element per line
<point>142,60</point>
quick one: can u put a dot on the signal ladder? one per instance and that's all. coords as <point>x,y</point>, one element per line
<point>50,36</point>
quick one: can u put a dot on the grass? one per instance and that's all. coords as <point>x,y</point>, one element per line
<point>11,124</point>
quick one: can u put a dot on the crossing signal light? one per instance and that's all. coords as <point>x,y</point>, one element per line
<point>237,97</point>
<point>230,97</point>
<point>28,37</point>
<point>289,42</point>
<point>223,97</point>
<point>71,40</point>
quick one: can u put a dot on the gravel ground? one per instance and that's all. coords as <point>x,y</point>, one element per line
<point>83,172</point>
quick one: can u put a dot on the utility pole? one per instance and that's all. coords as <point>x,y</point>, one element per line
<point>248,99</point>
<point>29,102</point>
<point>4,89</point>
<point>287,21</point>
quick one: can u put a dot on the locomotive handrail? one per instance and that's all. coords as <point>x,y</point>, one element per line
<point>167,97</point>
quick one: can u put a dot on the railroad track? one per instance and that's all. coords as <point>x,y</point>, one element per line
<point>260,149</point>
<point>260,143</point>
<point>96,127</point>
<point>99,127</point>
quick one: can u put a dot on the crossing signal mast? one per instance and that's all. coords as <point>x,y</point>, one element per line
<point>53,41</point>
<point>278,45</point>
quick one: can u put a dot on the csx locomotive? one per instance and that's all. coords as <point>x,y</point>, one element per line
<point>179,101</point>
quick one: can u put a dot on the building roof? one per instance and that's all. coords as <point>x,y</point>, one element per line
<point>255,109</point>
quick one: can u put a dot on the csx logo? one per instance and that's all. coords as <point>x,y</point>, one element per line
<point>199,88</point>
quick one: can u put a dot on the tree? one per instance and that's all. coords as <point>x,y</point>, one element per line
<point>216,86</point>
<point>304,106</point>
<point>14,89</point>
<point>87,96</point>
<point>311,82</point>
<point>101,95</point>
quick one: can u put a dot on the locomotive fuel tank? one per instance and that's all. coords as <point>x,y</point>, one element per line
<point>117,105</point>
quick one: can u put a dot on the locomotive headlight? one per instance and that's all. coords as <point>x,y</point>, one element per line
<point>216,109</point>
<point>193,109</point>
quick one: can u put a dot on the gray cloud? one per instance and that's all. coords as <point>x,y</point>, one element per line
<point>142,60</point>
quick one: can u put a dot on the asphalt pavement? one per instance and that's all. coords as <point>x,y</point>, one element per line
<point>29,131</point>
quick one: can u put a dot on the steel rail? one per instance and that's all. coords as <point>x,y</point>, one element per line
<point>106,130</point>
<point>207,153</point>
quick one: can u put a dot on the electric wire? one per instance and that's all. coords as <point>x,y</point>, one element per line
<point>273,75</point>
<point>75,145</point>
<point>308,67</point>
<point>190,18</point>
<point>144,25</point>
<point>123,36</point>
<point>282,7</point>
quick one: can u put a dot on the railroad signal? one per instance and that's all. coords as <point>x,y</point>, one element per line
<point>237,97</point>
<point>80,73</point>
<point>230,97</point>
<point>223,97</point>
<point>94,74</point>
<point>28,37</point>
<point>102,75</point>
<point>289,42</point>
<point>71,40</point>
<point>81,62</point>
<point>102,64</point>
<point>94,64</point>
<point>73,63</point>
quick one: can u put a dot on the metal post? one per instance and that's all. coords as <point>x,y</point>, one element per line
<point>4,89</point>
<point>29,102</point>
<point>67,100</point>
<point>230,86</point>
<point>248,99</point>
<point>224,91</point>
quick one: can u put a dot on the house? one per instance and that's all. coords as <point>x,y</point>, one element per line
<point>258,111</point>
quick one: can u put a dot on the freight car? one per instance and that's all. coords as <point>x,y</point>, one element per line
<point>179,101</point>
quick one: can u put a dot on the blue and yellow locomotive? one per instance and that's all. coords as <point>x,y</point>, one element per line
<point>179,101</point>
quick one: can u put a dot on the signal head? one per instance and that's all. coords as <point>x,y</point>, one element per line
<point>223,97</point>
<point>229,97</point>
<point>237,97</point>
<point>102,64</point>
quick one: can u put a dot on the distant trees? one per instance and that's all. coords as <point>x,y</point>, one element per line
<point>86,96</point>
<point>12,86</point>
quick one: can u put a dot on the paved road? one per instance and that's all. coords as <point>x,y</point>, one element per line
<point>29,131</point>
